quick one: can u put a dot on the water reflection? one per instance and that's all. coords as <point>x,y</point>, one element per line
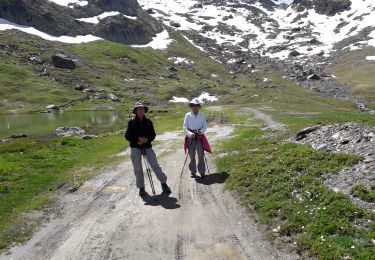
<point>35,124</point>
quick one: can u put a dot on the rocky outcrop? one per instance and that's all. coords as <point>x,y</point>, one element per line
<point>59,20</point>
<point>328,7</point>
<point>63,62</point>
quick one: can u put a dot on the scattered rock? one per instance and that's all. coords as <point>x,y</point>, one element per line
<point>88,137</point>
<point>69,131</point>
<point>35,60</point>
<point>63,62</point>
<point>43,73</point>
<point>74,188</point>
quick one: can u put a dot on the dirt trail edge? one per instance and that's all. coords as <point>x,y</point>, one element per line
<point>106,219</point>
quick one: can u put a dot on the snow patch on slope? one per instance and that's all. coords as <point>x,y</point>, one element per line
<point>6,25</point>
<point>160,42</point>
<point>70,3</point>
<point>96,19</point>
<point>180,60</point>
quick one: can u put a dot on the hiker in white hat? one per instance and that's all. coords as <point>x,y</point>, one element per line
<point>195,125</point>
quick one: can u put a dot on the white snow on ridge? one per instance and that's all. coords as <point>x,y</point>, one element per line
<point>159,42</point>
<point>202,97</point>
<point>370,58</point>
<point>96,19</point>
<point>328,30</point>
<point>6,25</point>
<point>70,2</point>
<point>205,96</point>
<point>179,100</point>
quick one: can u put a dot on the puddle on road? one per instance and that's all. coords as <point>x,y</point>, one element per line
<point>114,189</point>
<point>85,189</point>
<point>219,251</point>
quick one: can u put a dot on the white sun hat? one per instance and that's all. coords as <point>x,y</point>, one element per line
<point>195,101</point>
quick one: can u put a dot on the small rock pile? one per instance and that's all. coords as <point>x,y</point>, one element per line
<point>349,138</point>
<point>69,131</point>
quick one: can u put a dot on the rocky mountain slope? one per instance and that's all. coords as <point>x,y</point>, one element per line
<point>276,31</point>
<point>118,21</point>
<point>299,39</point>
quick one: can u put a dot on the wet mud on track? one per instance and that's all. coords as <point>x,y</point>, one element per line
<point>106,219</point>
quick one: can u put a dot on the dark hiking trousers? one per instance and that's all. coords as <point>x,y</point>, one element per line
<point>136,157</point>
<point>195,148</point>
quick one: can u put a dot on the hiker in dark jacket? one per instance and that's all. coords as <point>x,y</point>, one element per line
<point>140,134</point>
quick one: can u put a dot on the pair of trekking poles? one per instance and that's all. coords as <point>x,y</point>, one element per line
<point>148,170</point>
<point>187,154</point>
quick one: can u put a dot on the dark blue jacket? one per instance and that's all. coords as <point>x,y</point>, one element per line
<point>137,129</point>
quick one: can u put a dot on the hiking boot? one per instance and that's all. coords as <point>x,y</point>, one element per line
<point>193,175</point>
<point>142,192</point>
<point>165,188</point>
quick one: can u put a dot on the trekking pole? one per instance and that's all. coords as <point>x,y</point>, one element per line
<point>187,154</point>
<point>148,170</point>
<point>204,154</point>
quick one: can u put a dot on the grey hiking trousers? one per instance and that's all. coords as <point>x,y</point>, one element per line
<point>136,157</point>
<point>195,148</point>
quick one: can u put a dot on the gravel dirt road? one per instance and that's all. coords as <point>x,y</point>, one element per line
<point>105,218</point>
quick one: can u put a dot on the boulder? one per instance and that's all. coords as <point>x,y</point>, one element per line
<point>294,53</point>
<point>321,147</point>
<point>63,62</point>
<point>198,5</point>
<point>150,11</point>
<point>18,136</point>
<point>175,24</point>
<point>69,131</point>
<point>314,41</point>
<point>173,69</point>
<point>240,61</point>
<point>80,87</point>
<point>52,107</point>
<point>313,77</point>
<point>304,132</point>
<point>113,97</point>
